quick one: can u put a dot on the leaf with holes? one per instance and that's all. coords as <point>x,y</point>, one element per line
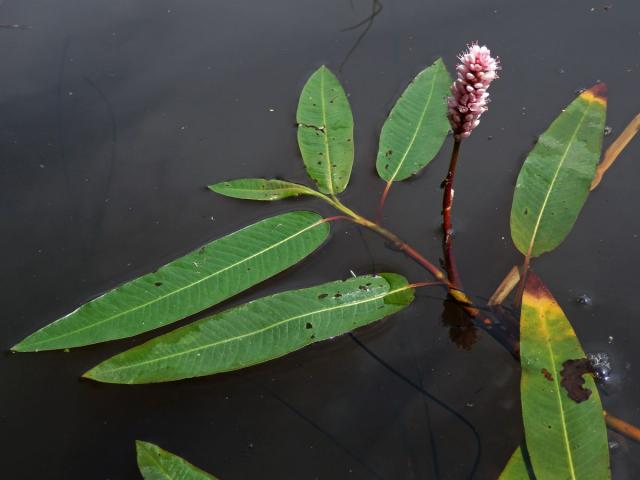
<point>325,131</point>
<point>417,125</point>
<point>554,181</point>
<point>187,285</point>
<point>260,189</point>
<point>516,468</point>
<point>563,419</point>
<point>158,464</point>
<point>259,331</point>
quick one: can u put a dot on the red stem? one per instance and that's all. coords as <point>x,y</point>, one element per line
<point>383,199</point>
<point>447,226</point>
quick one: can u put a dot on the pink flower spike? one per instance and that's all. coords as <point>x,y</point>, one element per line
<point>476,70</point>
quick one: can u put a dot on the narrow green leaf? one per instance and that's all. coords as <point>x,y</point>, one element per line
<point>517,468</point>
<point>417,125</point>
<point>564,423</point>
<point>554,181</point>
<point>158,464</point>
<point>325,131</point>
<point>258,331</point>
<point>260,189</point>
<point>187,285</point>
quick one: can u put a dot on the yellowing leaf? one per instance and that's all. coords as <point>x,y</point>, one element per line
<point>565,438</point>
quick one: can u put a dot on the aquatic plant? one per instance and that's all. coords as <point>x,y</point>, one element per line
<point>564,424</point>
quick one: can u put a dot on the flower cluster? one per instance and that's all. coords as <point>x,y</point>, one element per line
<point>476,70</point>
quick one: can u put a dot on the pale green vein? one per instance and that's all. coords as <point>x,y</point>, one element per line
<point>417,129</point>
<point>554,373</point>
<point>554,179</point>
<point>253,333</point>
<point>170,294</point>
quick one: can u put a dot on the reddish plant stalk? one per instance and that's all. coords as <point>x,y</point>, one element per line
<point>383,199</point>
<point>447,226</point>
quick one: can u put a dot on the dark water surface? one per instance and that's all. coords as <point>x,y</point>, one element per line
<point>116,114</point>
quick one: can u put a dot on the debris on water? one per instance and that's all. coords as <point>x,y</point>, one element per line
<point>613,445</point>
<point>607,130</point>
<point>601,366</point>
<point>469,404</point>
<point>580,90</point>
<point>584,299</point>
<point>610,340</point>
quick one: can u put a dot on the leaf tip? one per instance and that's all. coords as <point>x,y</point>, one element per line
<point>597,93</point>
<point>23,346</point>
<point>94,375</point>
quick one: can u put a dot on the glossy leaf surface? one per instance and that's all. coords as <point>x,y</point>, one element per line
<point>158,464</point>
<point>258,331</point>
<point>417,125</point>
<point>554,181</point>
<point>565,438</point>
<point>260,189</point>
<point>187,285</point>
<point>516,468</point>
<point>325,131</point>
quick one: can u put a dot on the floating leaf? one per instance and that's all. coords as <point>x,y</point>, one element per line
<point>258,331</point>
<point>417,125</point>
<point>187,285</point>
<point>565,438</point>
<point>325,131</point>
<point>517,468</point>
<point>158,464</point>
<point>260,189</point>
<point>554,181</point>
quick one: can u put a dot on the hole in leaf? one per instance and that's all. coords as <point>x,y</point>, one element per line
<point>308,326</point>
<point>323,295</point>
<point>158,284</point>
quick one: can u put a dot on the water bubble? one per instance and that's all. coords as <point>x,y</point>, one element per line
<point>601,365</point>
<point>607,130</point>
<point>584,299</point>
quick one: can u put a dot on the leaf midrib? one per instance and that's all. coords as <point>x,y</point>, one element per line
<point>161,468</point>
<point>554,179</point>
<point>255,332</point>
<point>554,373</point>
<point>415,133</point>
<point>326,133</point>
<point>157,299</point>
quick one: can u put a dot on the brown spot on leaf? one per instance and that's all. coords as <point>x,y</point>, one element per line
<point>572,378</point>
<point>547,375</point>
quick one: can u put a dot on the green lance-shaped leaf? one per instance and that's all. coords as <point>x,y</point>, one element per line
<point>563,419</point>
<point>417,125</point>
<point>260,189</point>
<point>258,331</point>
<point>325,131</point>
<point>158,464</point>
<point>554,181</point>
<point>187,285</point>
<point>517,468</point>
